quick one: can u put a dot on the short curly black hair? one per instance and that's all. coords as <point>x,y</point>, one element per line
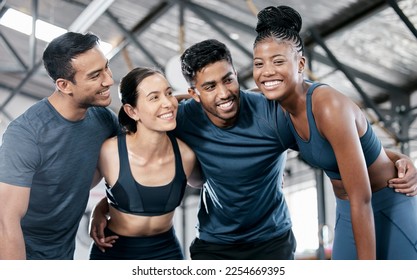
<point>202,54</point>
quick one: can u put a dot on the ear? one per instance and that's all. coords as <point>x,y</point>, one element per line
<point>131,112</point>
<point>64,86</point>
<point>301,63</point>
<point>194,94</point>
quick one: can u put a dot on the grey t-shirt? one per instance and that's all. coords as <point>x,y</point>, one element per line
<point>56,158</point>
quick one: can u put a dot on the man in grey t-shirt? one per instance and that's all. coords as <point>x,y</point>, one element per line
<point>49,154</point>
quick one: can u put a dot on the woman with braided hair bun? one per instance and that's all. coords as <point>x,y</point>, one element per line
<point>373,221</point>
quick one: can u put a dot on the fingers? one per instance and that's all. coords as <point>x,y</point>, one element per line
<point>405,189</point>
<point>406,183</point>
<point>97,234</point>
<point>413,193</point>
<point>410,191</point>
<point>401,167</point>
<point>106,242</point>
<point>101,240</point>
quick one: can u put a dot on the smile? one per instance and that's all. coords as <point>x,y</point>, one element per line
<point>271,84</point>
<point>167,116</point>
<point>226,105</point>
<point>104,92</point>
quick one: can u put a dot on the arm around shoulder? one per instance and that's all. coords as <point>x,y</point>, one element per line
<point>191,165</point>
<point>195,180</point>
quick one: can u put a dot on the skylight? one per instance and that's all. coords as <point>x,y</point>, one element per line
<point>45,31</point>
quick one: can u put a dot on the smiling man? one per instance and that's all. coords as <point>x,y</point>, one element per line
<point>238,138</point>
<point>49,154</point>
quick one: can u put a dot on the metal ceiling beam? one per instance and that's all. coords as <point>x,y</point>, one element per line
<point>142,25</point>
<point>89,15</point>
<point>23,93</point>
<point>12,50</point>
<point>129,36</point>
<point>315,56</point>
<point>222,18</point>
<point>32,37</point>
<point>403,17</point>
<point>202,13</point>
<point>336,24</point>
<point>29,74</point>
<point>7,115</point>
<point>2,7</point>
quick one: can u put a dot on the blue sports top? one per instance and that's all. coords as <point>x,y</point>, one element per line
<point>318,152</point>
<point>129,196</point>
<point>241,200</point>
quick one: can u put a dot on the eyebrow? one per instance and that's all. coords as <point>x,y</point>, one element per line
<point>98,70</point>
<point>156,91</point>
<point>273,56</point>
<point>152,92</point>
<point>213,82</point>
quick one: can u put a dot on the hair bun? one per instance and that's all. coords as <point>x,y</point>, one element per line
<point>281,17</point>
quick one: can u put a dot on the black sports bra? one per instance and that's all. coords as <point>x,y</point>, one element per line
<point>129,196</point>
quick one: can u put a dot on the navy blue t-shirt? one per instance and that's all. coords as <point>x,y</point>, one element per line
<point>241,200</point>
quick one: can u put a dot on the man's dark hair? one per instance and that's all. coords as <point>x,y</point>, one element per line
<point>202,54</point>
<point>61,50</point>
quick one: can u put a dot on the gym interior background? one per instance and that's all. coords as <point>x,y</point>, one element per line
<point>365,48</point>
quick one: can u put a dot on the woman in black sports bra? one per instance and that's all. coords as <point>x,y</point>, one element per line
<point>145,171</point>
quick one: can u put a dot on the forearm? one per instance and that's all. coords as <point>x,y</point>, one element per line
<point>394,156</point>
<point>364,231</point>
<point>12,244</point>
<point>101,208</point>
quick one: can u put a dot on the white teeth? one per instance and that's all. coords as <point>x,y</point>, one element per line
<point>271,83</point>
<point>225,105</point>
<point>166,116</point>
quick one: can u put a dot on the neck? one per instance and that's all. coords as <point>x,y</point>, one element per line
<point>149,145</point>
<point>295,102</point>
<point>66,107</point>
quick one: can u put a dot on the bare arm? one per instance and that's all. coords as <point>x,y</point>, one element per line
<point>14,202</point>
<point>96,179</point>
<point>181,97</point>
<point>99,215</point>
<point>195,179</point>
<point>406,182</point>
<point>98,221</point>
<point>337,123</point>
